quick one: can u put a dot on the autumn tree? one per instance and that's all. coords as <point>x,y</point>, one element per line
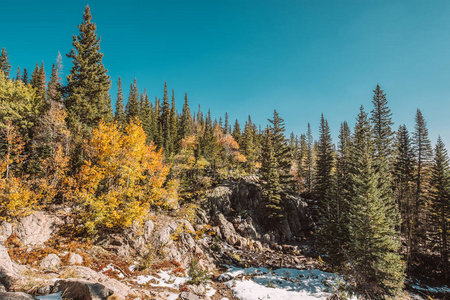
<point>16,197</point>
<point>122,178</point>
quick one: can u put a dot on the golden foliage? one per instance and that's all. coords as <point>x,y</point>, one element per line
<point>122,178</point>
<point>16,197</point>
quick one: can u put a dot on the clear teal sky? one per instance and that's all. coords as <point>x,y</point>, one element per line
<point>303,58</point>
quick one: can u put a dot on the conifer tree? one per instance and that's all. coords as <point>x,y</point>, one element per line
<point>440,205</point>
<point>373,240</point>
<point>248,147</point>
<point>281,149</point>
<point>4,62</point>
<point>120,115</point>
<point>173,126</point>
<point>88,84</point>
<point>18,74</point>
<point>403,181</point>
<point>35,77</point>
<point>185,127</point>
<point>54,86</point>
<point>42,84</point>
<point>308,169</point>
<point>325,161</point>
<point>132,108</point>
<point>165,123</point>
<point>381,118</point>
<point>271,189</point>
<point>25,76</point>
<point>423,154</point>
<point>146,116</point>
<point>226,126</point>
<point>237,134</point>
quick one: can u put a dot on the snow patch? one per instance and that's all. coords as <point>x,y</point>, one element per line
<point>261,283</point>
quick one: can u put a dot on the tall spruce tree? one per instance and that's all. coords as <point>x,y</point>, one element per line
<point>173,124</point>
<point>271,188</point>
<point>248,147</point>
<point>324,167</point>
<point>185,128</point>
<point>165,123</point>
<point>381,118</point>
<point>373,241</point>
<point>440,206</point>
<point>88,84</point>
<point>120,116</point>
<point>237,134</point>
<point>18,74</point>
<point>281,150</point>
<point>403,181</point>
<point>25,76</point>
<point>309,161</point>
<point>132,108</point>
<point>423,155</point>
<point>54,86</point>
<point>4,62</point>
<point>146,116</point>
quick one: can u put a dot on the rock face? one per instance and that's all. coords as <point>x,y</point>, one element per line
<point>75,259</point>
<point>7,273</point>
<point>245,198</point>
<point>36,228</point>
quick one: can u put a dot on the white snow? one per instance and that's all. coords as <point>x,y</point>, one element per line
<point>166,279</point>
<point>113,268</point>
<point>261,283</point>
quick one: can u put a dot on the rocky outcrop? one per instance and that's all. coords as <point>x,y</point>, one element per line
<point>7,272</point>
<point>37,228</point>
<point>242,203</point>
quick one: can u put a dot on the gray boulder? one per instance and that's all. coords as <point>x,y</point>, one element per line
<point>51,261</point>
<point>80,289</point>
<point>7,272</point>
<point>37,228</point>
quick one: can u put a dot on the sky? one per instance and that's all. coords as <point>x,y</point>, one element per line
<point>300,57</point>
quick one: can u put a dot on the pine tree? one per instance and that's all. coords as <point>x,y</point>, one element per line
<point>18,74</point>
<point>440,206</point>
<point>87,84</point>
<point>4,62</point>
<point>35,77</point>
<point>422,153</point>
<point>237,134</point>
<point>146,116</point>
<point>248,145</point>
<point>54,85</point>
<point>381,118</point>
<point>271,189</point>
<point>185,128</point>
<point>173,126</point>
<point>373,240</point>
<point>42,84</point>
<point>308,169</point>
<point>281,149</point>
<point>403,181</point>
<point>120,117</point>
<point>226,126</point>
<point>25,76</point>
<point>325,161</point>
<point>132,109</point>
<point>165,123</point>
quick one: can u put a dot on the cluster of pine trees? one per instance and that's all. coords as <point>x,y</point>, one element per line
<point>382,196</point>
